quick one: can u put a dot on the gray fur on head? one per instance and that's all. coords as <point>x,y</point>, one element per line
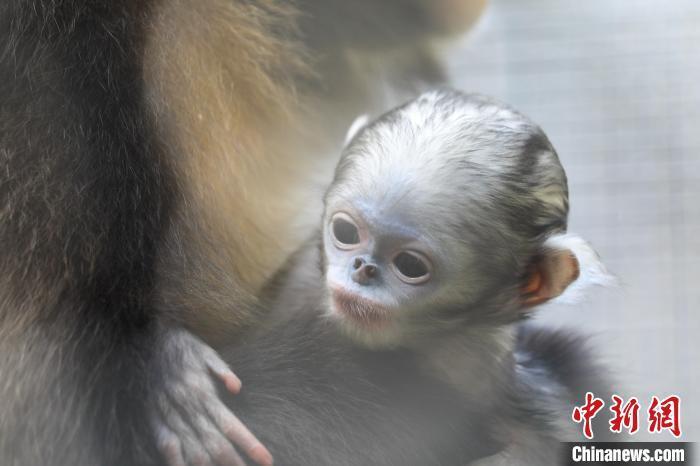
<point>444,134</point>
<point>469,170</point>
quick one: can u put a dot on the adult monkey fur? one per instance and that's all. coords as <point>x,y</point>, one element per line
<point>397,334</point>
<point>149,151</point>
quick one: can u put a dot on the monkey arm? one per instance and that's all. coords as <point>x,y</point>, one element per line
<point>453,16</point>
<point>378,25</point>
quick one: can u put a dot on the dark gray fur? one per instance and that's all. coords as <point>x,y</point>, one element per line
<point>316,396</point>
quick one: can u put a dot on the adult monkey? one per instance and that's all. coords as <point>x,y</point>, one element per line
<point>148,151</point>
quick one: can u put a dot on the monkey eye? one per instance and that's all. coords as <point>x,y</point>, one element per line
<point>411,267</point>
<point>345,232</point>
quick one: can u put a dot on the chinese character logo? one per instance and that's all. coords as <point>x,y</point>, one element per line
<point>587,412</point>
<point>665,415</point>
<point>662,414</point>
<point>626,416</point>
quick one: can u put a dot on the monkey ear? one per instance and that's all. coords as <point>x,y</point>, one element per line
<point>567,266</point>
<point>359,123</point>
<point>549,276</point>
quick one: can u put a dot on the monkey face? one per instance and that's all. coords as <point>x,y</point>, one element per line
<point>435,215</point>
<point>380,270</point>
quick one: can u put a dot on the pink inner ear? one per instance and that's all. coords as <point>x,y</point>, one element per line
<point>563,269</point>
<point>550,276</point>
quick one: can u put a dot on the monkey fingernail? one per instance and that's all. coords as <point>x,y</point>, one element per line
<point>233,383</point>
<point>260,455</point>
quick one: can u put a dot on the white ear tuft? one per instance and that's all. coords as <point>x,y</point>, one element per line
<point>356,126</point>
<point>592,272</point>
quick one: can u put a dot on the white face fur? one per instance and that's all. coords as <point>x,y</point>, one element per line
<point>377,271</point>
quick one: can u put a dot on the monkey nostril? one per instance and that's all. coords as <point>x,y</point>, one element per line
<point>357,263</point>
<point>371,270</point>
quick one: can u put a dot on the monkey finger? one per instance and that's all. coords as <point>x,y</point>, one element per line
<point>224,373</point>
<point>217,446</point>
<point>169,445</point>
<point>218,367</point>
<point>238,433</point>
<point>191,445</point>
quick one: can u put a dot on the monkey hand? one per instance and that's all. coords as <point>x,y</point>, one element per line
<point>192,425</point>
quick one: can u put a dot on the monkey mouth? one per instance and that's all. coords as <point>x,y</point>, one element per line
<point>366,313</point>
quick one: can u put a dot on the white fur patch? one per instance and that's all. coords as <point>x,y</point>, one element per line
<point>592,270</point>
<point>359,123</point>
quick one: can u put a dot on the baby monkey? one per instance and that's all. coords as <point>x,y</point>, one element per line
<point>397,335</point>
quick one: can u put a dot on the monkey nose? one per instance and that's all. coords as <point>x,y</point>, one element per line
<point>364,271</point>
<point>357,263</point>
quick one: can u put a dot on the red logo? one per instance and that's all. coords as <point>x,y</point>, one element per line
<point>665,414</point>
<point>662,414</point>
<point>587,412</point>
<point>626,416</point>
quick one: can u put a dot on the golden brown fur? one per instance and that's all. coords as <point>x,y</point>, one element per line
<point>223,90</point>
<point>163,157</point>
<point>255,117</point>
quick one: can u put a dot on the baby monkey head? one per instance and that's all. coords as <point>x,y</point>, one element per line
<point>437,218</point>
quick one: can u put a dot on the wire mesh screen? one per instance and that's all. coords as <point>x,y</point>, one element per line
<point>616,86</point>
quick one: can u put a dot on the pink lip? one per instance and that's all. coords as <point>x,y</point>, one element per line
<point>362,311</point>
